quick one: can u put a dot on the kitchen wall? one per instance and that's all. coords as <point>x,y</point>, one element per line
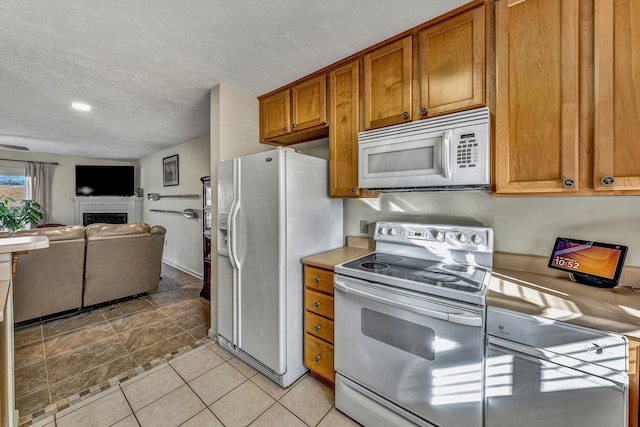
<point>183,241</point>
<point>523,225</point>
<point>63,185</point>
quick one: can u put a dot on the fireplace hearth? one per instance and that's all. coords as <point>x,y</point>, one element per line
<point>113,210</point>
<point>104,217</point>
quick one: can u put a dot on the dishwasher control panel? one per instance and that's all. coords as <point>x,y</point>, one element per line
<point>551,337</point>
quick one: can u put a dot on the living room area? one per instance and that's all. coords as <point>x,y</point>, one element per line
<point>77,350</point>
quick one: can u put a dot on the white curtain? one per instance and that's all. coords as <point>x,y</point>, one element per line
<point>37,185</point>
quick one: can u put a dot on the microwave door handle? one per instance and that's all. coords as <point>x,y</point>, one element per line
<point>446,156</point>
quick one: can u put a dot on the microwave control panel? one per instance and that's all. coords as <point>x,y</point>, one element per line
<point>467,151</point>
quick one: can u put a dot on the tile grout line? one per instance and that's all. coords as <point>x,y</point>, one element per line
<point>109,383</point>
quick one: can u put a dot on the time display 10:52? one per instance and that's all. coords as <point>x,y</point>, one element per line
<point>560,261</point>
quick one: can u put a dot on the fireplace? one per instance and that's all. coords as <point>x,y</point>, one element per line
<point>104,217</point>
<point>113,210</point>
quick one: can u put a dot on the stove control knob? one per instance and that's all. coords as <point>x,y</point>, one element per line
<point>440,236</point>
<point>383,230</point>
<point>463,238</point>
<point>477,239</point>
<point>393,231</point>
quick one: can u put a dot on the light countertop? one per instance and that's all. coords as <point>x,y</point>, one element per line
<point>356,248</point>
<point>530,287</point>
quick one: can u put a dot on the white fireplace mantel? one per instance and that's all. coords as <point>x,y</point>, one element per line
<point>94,204</point>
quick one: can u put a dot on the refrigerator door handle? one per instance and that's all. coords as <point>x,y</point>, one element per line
<point>231,242</point>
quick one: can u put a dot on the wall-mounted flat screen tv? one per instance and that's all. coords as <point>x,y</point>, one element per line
<point>94,180</point>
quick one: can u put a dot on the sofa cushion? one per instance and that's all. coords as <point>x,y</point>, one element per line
<point>112,230</point>
<point>66,232</point>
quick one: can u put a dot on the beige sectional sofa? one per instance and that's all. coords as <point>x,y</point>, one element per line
<point>84,266</point>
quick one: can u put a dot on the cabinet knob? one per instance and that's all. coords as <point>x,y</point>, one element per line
<point>285,129</point>
<point>316,280</point>
<point>608,180</point>
<point>316,328</point>
<point>569,182</point>
<point>316,304</point>
<point>317,358</point>
<point>293,125</point>
<point>405,114</point>
<point>423,111</point>
<point>352,190</point>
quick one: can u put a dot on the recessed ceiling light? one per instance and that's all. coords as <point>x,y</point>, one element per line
<point>80,106</point>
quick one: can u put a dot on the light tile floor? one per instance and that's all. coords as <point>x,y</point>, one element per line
<point>205,387</point>
<point>61,360</point>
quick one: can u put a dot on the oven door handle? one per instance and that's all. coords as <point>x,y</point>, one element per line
<point>454,318</point>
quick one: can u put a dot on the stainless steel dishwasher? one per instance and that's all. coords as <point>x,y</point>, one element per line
<point>546,373</point>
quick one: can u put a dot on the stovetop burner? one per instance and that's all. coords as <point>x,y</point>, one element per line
<point>388,258</point>
<point>424,275</point>
<point>374,266</point>
<point>439,277</point>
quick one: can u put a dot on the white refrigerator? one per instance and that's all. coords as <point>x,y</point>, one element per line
<point>273,209</point>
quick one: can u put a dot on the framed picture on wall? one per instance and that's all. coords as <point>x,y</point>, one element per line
<point>170,171</point>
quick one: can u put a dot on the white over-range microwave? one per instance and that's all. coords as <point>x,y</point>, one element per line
<point>440,153</point>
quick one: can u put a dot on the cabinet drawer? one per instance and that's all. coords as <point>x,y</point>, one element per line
<point>318,326</point>
<point>318,356</point>
<point>316,278</point>
<point>318,303</point>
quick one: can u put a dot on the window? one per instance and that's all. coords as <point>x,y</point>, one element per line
<point>12,184</point>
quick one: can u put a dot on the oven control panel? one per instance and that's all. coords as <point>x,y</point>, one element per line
<point>467,238</point>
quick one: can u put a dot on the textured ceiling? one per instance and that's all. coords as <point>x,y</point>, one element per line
<point>146,66</point>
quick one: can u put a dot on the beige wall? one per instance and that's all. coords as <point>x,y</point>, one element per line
<point>234,133</point>
<point>523,225</point>
<point>183,241</point>
<point>63,185</point>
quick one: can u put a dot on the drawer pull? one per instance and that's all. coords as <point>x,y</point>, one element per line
<point>316,304</point>
<point>316,280</point>
<point>317,358</point>
<point>316,328</point>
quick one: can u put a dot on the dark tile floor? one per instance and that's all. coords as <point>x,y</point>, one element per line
<point>57,358</point>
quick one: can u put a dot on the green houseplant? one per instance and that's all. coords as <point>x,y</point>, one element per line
<point>16,217</point>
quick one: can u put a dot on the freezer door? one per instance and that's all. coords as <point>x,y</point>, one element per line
<point>225,298</point>
<point>259,253</point>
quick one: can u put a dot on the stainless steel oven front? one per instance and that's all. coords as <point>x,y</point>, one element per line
<point>407,358</point>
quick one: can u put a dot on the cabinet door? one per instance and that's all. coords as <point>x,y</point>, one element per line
<point>617,95</point>
<point>309,104</point>
<point>387,84</point>
<point>537,111</point>
<point>634,381</point>
<point>451,58</point>
<point>275,112</point>
<point>344,118</point>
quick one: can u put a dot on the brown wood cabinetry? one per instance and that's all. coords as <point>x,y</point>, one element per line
<point>634,381</point>
<point>344,124</point>
<point>451,64</point>
<point>387,84</point>
<point>318,323</point>
<point>295,114</point>
<point>617,95</point>
<point>568,98</point>
<point>536,138</point>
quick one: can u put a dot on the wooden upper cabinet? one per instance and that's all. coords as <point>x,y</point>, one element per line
<point>536,141</point>
<point>388,84</point>
<point>275,115</point>
<point>451,63</point>
<point>296,114</point>
<point>344,116</point>
<point>309,104</point>
<point>617,95</point>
